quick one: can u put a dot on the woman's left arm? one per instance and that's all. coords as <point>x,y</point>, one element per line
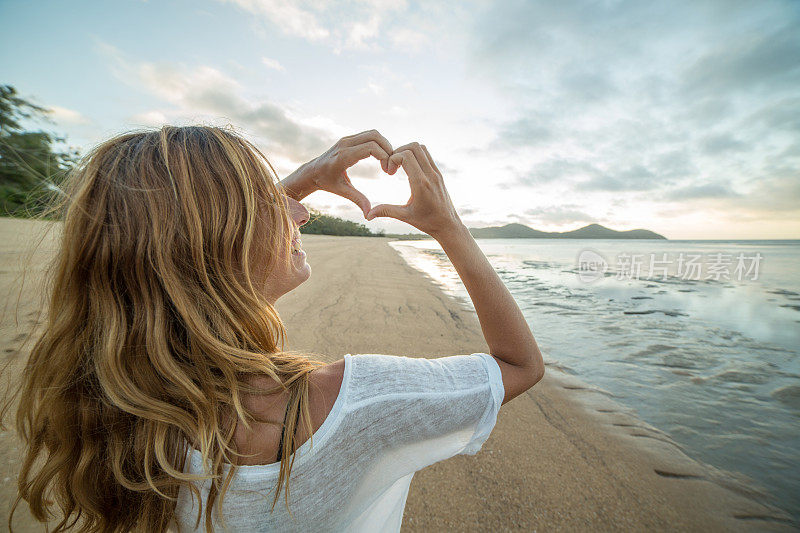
<point>328,172</point>
<point>300,183</point>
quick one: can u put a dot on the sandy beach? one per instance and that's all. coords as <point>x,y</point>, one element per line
<point>563,456</point>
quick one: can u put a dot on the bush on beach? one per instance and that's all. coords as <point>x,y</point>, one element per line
<point>322,224</point>
<point>31,166</point>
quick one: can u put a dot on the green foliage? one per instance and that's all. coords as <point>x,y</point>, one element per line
<point>31,168</point>
<point>322,224</point>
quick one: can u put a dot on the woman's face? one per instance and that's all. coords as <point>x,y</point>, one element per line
<point>283,279</point>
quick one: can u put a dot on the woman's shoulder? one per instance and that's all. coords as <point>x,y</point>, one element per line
<point>324,384</point>
<point>370,377</point>
<point>328,380</point>
<point>261,442</point>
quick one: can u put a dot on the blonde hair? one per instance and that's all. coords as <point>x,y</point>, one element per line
<point>155,321</point>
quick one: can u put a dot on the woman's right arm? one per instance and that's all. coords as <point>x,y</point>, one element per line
<point>430,210</point>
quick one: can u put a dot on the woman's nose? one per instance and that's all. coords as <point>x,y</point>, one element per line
<point>298,211</point>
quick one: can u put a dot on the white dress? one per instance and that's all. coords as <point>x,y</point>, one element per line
<point>393,416</point>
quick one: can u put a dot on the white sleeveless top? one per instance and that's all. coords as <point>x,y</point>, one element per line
<point>393,416</point>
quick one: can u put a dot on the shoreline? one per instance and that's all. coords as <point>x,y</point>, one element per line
<point>599,397</point>
<point>562,455</point>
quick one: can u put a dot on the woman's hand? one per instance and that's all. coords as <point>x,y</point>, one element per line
<point>328,172</point>
<point>429,208</point>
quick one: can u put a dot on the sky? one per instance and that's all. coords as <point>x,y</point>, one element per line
<point>678,117</point>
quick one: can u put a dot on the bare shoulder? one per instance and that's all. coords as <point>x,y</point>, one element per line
<point>325,383</point>
<point>329,379</point>
<point>262,442</point>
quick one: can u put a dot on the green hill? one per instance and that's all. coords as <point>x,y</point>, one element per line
<point>592,231</point>
<point>509,231</point>
<point>322,224</point>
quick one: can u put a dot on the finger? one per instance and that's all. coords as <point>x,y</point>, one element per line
<point>399,212</point>
<point>366,136</point>
<point>362,151</point>
<point>408,161</point>
<point>419,154</point>
<point>430,159</point>
<point>355,196</point>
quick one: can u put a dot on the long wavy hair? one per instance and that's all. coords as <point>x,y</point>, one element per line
<point>155,324</point>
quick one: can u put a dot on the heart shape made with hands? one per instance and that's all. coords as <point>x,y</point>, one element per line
<point>343,186</point>
<point>428,204</point>
<point>331,171</point>
<point>369,209</point>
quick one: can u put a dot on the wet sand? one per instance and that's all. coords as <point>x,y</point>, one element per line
<point>562,456</point>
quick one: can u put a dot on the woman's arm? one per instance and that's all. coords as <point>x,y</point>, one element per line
<point>505,329</point>
<point>430,210</point>
<point>300,183</point>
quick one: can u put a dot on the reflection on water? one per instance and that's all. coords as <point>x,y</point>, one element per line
<point>713,363</point>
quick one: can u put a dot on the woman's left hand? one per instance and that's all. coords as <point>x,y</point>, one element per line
<point>328,172</point>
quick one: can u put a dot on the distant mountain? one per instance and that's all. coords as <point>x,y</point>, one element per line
<point>509,231</point>
<point>592,231</point>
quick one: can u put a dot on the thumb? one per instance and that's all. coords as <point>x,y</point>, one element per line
<point>388,210</point>
<point>357,197</point>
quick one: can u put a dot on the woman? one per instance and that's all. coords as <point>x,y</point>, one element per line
<point>160,395</point>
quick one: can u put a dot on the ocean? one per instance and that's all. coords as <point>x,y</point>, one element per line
<point>700,338</point>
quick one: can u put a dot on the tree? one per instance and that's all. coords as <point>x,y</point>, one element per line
<point>31,168</point>
<point>323,224</point>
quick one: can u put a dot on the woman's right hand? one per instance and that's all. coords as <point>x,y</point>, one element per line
<point>429,208</point>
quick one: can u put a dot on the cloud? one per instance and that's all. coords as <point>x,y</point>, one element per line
<point>755,60</point>
<point>780,116</point>
<point>349,210</point>
<point>558,169</point>
<point>204,90</point>
<point>349,25</point>
<point>67,116</point>
<point>368,169</point>
<point>150,118</point>
<point>777,190</point>
<point>586,84</point>
<point>529,130</point>
<point>317,206</point>
<point>397,111</point>
<point>691,101</point>
<point>705,112</point>
<point>361,32</point>
<point>703,191</point>
<point>674,165</point>
<point>273,64</point>
<point>374,88</point>
<point>287,16</point>
<point>634,178</point>
<point>791,151</point>
<point>652,106</point>
<point>560,214</point>
<point>716,144</point>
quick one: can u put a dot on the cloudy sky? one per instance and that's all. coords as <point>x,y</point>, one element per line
<point>680,117</point>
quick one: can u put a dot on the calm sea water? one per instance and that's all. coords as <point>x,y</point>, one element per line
<point>711,356</point>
